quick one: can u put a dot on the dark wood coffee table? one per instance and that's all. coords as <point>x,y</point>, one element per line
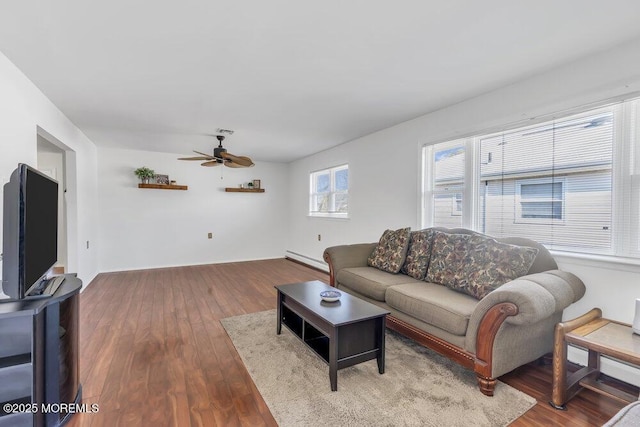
<point>343,333</point>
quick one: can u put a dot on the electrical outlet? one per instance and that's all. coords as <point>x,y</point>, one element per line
<point>319,237</point>
<point>210,235</point>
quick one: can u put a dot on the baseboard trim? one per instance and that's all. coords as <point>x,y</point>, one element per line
<point>308,261</point>
<point>88,282</point>
<point>157,267</point>
<point>304,264</point>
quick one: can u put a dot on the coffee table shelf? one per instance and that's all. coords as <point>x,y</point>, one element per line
<point>293,322</point>
<point>320,346</point>
<point>316,340</point>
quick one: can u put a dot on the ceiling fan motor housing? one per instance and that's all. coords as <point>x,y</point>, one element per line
<point>218,151</point>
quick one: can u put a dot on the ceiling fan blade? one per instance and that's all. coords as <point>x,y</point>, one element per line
<point>194,158</point>
<point>208,156</point>
<point>243,161</point>
<point>231,164</point>
<point>247,161</point>
<point>210,163</point>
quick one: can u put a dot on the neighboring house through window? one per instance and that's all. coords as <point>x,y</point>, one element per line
<point>539,199</point>
<point>447,164</point>
<point>329,192</point>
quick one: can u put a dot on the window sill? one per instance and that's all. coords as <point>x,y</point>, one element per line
<point>328,216</point>
<point>602,261</point>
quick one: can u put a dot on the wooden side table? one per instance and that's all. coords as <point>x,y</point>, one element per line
<point>598,336</point>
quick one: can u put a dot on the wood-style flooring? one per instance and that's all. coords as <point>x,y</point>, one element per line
<point>153,352</point>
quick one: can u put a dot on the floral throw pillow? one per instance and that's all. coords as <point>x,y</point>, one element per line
<point>418,254</point>
<point>476,265</point>
<point>502,263</point>
<point>391,251</point>
<point>451,260</point>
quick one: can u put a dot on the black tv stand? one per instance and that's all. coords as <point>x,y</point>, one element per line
<point>39,355</point>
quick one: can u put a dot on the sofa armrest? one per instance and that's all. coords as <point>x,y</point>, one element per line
<point>346,256</point>
<point>535,297</point>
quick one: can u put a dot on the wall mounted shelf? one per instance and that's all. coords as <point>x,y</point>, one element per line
<point>244,190</point>
<point>164,186</point>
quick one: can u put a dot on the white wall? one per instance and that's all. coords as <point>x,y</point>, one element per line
<point>383,190</point>
<point>145,228</point>
<point>385,168</point>
<point>25,111</point>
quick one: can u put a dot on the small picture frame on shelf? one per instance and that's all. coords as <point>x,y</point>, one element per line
<point>256,183</point>
<point>162,179</point>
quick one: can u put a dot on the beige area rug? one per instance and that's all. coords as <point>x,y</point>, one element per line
<point>418,388</point>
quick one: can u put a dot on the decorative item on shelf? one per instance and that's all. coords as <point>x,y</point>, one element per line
<point>144,173</point>
<point>636,319</point>
<point>172,182</point>
<point>162,179</point>
<point>250,185</point>
<point>256,183</point>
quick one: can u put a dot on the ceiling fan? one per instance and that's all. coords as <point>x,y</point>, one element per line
<point>221,157</point>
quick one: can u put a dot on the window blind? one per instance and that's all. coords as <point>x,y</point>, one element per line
<point>551,182</point>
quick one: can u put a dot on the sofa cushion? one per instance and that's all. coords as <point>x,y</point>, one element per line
<point>370,281</point>
<point>476,264</point>
<point>391,250</point>
<point>434,304</point>
<point>418,254</point>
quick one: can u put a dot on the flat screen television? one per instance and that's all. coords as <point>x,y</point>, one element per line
<point>30,230</point>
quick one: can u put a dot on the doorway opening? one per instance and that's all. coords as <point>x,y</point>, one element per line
<point>52,161</point>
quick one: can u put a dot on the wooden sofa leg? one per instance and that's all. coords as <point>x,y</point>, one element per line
<point>487,385</point>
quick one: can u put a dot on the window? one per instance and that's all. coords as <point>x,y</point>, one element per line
<point>448,183</point>
<point>539,199</point>
<point>571,183</point>
<point>329,192</point>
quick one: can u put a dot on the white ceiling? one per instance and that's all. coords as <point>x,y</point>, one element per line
<point>291,77</point>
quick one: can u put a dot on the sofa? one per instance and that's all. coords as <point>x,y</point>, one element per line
<point>489,304</point>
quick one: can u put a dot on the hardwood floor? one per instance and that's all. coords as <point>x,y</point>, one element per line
<point>153,352</point>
